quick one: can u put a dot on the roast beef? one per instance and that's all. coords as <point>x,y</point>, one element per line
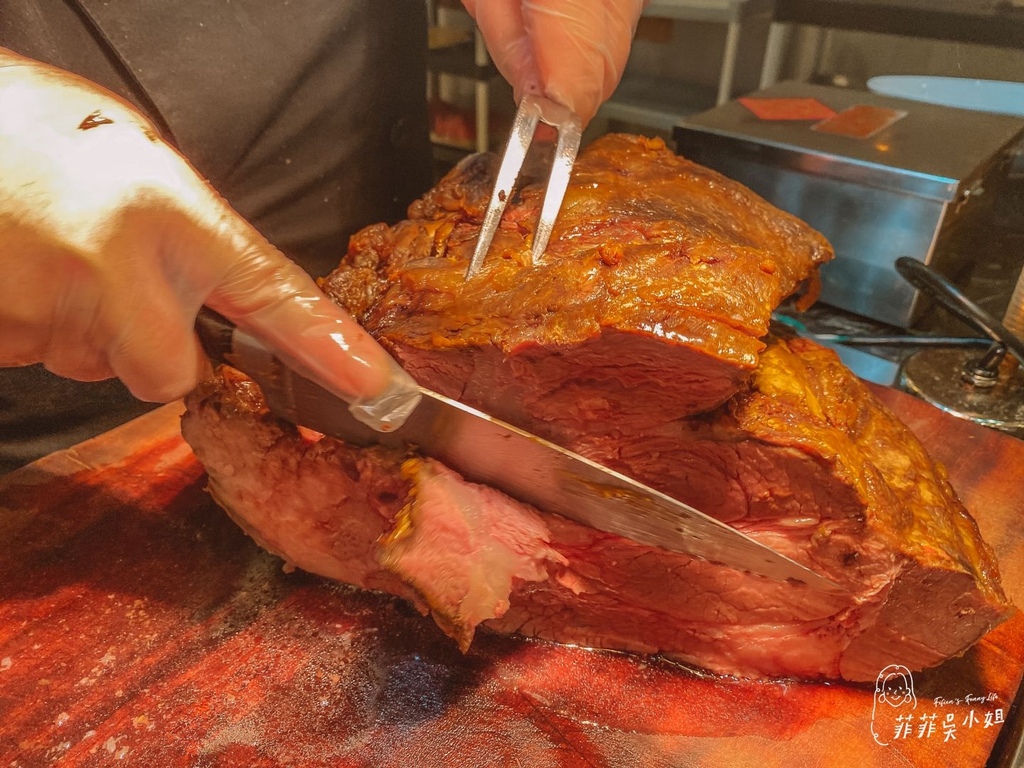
<point>641,341</point>
<point>657,285</point>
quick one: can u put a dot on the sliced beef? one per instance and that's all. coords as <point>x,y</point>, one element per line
<point>838,484</point>
<point>808,461</point>
<point>462,546</point>
<point>640,342</point>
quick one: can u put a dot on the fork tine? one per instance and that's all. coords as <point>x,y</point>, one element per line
<point>558,181</point>
<point>527,117</point>
<point>532,110</point>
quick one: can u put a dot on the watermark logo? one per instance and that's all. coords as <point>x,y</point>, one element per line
<point>895,715</point>
<point>894,702</point>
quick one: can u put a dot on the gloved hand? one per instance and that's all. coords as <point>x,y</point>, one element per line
<point>110,243</point>
<point>572,51</point>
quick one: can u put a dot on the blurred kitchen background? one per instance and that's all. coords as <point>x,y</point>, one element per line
<point>943,184</point>
<point>689,54</point>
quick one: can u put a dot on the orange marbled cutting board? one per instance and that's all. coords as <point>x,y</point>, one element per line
<point>139,627</point>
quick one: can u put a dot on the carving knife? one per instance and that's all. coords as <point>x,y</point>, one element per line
<point>486,450</point>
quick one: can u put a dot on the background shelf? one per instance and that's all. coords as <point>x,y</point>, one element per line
<point>658,102</point>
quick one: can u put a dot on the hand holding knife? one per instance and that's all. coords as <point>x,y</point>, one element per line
<point>484,449</point>
<point>526,467</point>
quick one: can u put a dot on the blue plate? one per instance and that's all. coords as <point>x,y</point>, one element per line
<point>998,96</point>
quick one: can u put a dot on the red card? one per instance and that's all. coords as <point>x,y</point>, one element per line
<point>787,109</point>
<point>861,121</point>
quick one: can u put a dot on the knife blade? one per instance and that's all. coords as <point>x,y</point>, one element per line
<point>526,467</point>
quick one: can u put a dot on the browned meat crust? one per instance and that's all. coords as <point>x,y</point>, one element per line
<point>676,265</point>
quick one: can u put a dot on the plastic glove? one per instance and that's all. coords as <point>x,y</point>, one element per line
<point>110,242</point>
<point>572,51</point>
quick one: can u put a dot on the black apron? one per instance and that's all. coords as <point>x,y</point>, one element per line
<point>308,116</point>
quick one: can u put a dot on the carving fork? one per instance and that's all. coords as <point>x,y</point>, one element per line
<point>532,110</point>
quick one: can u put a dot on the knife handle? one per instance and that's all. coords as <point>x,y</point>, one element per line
<point>225,343</point>
<point>216,335</point>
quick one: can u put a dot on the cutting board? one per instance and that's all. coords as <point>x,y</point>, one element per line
<point>139,626</point>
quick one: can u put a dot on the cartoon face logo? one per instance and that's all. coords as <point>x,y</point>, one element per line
<point>895,687</point>
<point>894,697</point>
